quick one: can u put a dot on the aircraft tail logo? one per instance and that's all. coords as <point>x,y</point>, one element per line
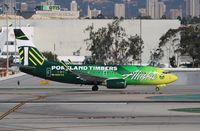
<point>29,55</point>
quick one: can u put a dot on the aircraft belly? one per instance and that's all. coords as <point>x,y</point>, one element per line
<point>141,82</point>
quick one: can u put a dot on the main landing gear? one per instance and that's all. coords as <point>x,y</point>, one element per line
<point>95,88</point>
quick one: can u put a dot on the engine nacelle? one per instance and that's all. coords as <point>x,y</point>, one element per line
<point>116,84</point>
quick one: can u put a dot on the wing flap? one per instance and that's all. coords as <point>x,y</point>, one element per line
<point>88,77</point>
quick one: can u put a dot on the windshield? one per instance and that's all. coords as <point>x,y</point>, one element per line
<point>166,72</point>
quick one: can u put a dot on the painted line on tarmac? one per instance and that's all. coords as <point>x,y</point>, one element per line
<point>15,108</point>
<point>92,102</point>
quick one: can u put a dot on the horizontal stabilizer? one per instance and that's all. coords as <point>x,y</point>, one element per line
<point>20,35</point>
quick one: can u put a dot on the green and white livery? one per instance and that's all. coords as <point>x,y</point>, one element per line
<point>111,76</point>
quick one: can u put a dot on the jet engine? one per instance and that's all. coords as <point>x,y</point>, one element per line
<point>116,84</point>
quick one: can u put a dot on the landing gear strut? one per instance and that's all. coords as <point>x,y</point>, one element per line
<point>95,88</point>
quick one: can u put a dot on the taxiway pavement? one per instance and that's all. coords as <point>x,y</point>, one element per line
<point>65,107</point>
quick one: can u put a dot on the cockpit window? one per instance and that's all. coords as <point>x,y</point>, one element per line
<point>166,72</point>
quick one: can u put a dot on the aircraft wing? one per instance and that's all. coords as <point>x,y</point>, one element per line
<point>84,76</point>
<point>182,69</point>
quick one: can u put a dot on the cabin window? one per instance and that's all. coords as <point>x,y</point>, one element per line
<point>166,72</point>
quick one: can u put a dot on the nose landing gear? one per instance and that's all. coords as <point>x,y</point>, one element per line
<point>160,86</point>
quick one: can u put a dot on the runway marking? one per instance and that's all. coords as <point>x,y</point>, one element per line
<point>91,102</point>
<point>11,110</point>
<point>15,108</point>
<point>66,127</point>
<point>75,117</point>
<point>95,126</point>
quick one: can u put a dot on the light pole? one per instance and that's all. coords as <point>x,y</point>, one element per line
<point>54,49</point>
<point>7,60</point>
<point>15,28</point>
<point>140,41</point>
<point>19,18</point>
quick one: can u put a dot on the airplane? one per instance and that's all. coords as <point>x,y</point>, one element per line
<point>111,76</point>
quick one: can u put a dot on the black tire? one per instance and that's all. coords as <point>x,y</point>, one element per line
<point>157,89</point>
<point>95,88</point>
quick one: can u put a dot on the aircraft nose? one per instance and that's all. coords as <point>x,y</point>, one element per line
<point>173,77</point>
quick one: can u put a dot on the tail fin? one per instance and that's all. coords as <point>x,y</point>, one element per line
<point>29,55</point>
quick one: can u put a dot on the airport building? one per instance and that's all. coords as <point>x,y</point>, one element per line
<point>64,37</point>
<point>59,14</point>
<point>52,11</point>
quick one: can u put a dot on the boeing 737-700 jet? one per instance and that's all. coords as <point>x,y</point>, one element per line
<point>111,76</point>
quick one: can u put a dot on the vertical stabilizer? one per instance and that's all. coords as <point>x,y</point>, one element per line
<point>29,54</point>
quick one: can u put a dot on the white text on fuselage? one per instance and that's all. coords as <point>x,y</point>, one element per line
<point>99,68</point>
<point>140,75</point>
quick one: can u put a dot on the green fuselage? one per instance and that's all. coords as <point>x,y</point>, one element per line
<point>112,76</point>
<point>133,75</point>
